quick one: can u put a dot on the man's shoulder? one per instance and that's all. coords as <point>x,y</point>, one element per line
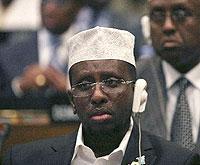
<point>43,143</point>
<point>146,68</point>
<point>42,148</point>
<point>165,145</point>
<point>40,151</point>
<point>147,62</point>
<point>166,150</point>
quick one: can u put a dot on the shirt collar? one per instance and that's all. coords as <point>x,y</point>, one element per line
<point>193,76</point>
<point>122,146</point>
<point>172,75</point>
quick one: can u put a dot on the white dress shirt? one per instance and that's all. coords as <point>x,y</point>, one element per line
<point>192,93</point>
<point>85,156</point>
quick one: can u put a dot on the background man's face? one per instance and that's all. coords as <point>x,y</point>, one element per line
<point>175,30</point>
<point>57,15</point>
<point>114,108</point>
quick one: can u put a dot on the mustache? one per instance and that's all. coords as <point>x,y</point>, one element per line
<point>99,111</point>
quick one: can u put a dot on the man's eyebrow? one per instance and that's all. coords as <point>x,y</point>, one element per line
<point>109,75</point>
<point>181,6</point>
<point>158,8</point>
<point>85,78</point>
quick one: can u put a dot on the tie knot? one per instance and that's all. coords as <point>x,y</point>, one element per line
<point>183,83</point>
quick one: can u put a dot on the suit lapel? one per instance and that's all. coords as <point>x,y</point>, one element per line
<point>132,149</point>
<point>62,153</point>
<point>160,88</point>
<point>154,115</point>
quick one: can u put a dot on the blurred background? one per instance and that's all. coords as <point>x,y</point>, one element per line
<point>33,61</point>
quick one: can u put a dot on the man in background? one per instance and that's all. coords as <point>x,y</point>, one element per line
<point>36,66</point>
<point>173,74</point>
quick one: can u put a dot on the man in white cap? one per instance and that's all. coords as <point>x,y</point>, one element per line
<point>102,77</point>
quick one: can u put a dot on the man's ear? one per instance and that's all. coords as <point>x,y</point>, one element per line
<point>71,100</point>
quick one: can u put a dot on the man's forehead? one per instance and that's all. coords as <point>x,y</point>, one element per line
<point>99,70</point>
<point>100,64</point>
<point>100,67</point>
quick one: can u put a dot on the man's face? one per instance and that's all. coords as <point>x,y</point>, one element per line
<point>175,31</point>
<point>103,111</point>
<point>57,15</point>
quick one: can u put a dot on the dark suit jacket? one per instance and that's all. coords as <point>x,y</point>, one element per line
<point>15,56</point>
<point>59,151</point>
<point>153,119</point>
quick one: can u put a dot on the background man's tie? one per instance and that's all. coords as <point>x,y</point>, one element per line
<point>181,130</point>
<point>56,42</point>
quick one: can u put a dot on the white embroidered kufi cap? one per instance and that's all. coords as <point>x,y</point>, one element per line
<point>101,43</point>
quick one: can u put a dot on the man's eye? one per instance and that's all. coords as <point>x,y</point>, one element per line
<point>84,86</point>
<point>180,14</point>
<point>157,16</point>
<point>112,82</point>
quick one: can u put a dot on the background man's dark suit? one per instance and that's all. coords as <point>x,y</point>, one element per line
<point>15,57</point>
<point>154,117</point>
<point>60,150</point>
<point>19,55</point>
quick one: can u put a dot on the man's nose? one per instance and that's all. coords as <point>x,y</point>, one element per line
<point>169,26</point>
<point>98,96</point>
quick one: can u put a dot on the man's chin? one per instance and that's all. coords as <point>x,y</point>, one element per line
<point>167,52</point>
<point>171,49</point>
<point>100,127</point>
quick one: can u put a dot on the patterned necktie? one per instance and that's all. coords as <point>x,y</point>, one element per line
<point>181,130</point>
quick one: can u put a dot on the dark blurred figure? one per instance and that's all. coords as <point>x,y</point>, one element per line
<point>132,11</point>
<point>4,35</point>
<point>2,81</point>
<point>103,13</point>
<point>6,3</point>
<point>137,8</point>
<point>36,66</point>
<point>4,132</point>
<point>100,13</point>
